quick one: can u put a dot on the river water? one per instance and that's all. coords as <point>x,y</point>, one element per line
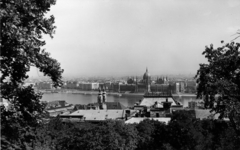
<point>126,100</point>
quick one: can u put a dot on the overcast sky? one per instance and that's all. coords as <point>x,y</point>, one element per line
<point>123,37</point>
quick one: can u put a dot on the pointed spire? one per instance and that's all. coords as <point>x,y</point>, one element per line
<point>146,69</point>
<point>100,96</point>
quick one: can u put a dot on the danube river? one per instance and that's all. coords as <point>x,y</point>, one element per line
<point>127,100</point>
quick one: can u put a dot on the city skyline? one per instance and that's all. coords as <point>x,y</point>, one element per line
<point>121,38</point>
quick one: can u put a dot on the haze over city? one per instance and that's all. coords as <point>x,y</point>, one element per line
<point>123,37</point>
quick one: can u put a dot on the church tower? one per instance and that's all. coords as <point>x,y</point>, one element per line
<point>104,96</point>
<point>100,98</point>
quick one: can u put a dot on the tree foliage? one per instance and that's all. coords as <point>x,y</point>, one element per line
<point>107,135</point>
<point>183,132</point>
<point>22,26</point>
<point>219,81</point>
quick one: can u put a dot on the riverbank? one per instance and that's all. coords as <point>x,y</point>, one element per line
<point>86,97</point>
<point>68,91</point>
<point>91,92</point>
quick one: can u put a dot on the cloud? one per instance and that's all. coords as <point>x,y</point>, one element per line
<point>122,37</point>
<point>207,13</point>
<point>233,3</point>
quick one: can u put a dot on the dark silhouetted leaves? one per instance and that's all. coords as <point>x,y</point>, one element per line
<point>22,25</point>
<point>219,81</point>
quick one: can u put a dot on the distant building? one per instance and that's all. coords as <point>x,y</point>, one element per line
<point>131,80</point>
<point>164,88</point>
<point>81,85</point>
<point>190,86</point>
<point>70,85</point>
<point>177,86</point>
<point>144,85</point>
<point>182,87</point>
<point>87,86</point>
<point>108,85</point>
<point>133,85</point>
<point>162,80</point>
<point>147,81</point>
<point>127,87</point>
<point>44,85</point>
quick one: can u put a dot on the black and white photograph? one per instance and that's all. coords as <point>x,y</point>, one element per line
<point>120,74</point>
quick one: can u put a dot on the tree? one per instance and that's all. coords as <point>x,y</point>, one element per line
<point>146,130</point>
<point>181,130</point>
<point>152,135</point>
<point>219,81</point>
<point>21,28</point>
<point>103,136</point>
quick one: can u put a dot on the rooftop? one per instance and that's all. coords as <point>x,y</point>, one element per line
<point>150,101</point>
<point>91,115</point>
<point>111,105</point>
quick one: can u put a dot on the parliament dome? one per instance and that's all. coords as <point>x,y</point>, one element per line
<point>146,75</point>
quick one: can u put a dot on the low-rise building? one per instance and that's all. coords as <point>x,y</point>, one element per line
<point>44,85</point>
<point>55,108</point>
<point>156,106</point>
<point>70,85</point>
<point>91,115</point>
<point>87,86</point>
<point>99,111</point>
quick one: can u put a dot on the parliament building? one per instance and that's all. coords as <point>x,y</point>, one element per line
<point>145,85</point>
